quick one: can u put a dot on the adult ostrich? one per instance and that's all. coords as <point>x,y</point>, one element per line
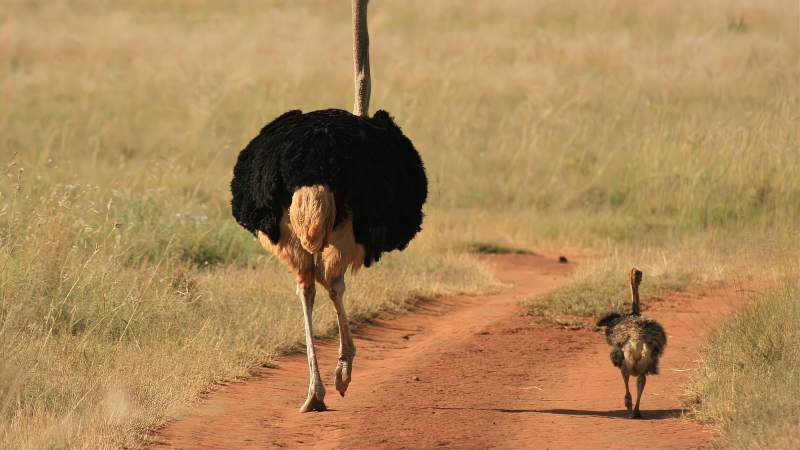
<point>328,190</point>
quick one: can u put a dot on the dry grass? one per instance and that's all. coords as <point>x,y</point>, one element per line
<point>747,383</point>
<point>98,347</point>
<point>125,287</point>
<point>709,259</point>
<point>601,285</point>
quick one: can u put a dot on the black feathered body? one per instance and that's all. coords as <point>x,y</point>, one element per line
<point>637,342</point>
<point>374,171</point>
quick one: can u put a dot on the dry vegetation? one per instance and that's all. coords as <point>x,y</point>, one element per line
<point>623,128</point>
<point>598,286</point>
<point>748,382</point>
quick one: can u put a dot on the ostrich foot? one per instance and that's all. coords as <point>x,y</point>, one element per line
<point>313,404</point>
<point>344,370</point>
<point>636,414</point>
<point>628,403</point>
<point>315,400</point>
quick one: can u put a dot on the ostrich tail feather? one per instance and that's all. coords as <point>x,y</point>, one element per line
<point>312,215</point>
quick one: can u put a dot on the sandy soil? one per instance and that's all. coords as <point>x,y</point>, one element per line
<point>469,372</point>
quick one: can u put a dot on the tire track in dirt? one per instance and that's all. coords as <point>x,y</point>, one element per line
<point>469,372</point>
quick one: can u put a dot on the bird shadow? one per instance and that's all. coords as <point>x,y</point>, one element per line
<point>649,414</point>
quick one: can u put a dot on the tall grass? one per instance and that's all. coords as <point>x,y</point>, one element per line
<point>126,288</point>
<point>748,380</point>
<point>103,339</point>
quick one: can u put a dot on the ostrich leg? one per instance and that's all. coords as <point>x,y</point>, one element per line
<point>639,390</point>
<point>347,350</point>
<point>316,390</point>
<point>628,402</point>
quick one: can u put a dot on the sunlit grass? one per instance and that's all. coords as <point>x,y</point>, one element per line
<point>622,129</point>
<point>747,382</point>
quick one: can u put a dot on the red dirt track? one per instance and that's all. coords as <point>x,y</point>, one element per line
<point>469,372</point>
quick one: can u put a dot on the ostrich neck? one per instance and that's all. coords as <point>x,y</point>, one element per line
<point>635,296</point>
<point>361,58</point>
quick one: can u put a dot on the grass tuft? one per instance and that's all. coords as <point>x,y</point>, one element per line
<point>601,286</point>
<point>748,378</point>
<point>495,249</point>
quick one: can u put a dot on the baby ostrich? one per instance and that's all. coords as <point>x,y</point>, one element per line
<point>637,343</point>
<point>328,190</point>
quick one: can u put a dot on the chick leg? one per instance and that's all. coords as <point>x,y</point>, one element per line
<point>628,402</point>
<point>640,382</point>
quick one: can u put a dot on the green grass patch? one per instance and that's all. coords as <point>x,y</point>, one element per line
<point>489,248</point>
<point>601,285</point>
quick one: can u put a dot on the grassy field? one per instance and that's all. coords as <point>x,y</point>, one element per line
<point>658,133</point>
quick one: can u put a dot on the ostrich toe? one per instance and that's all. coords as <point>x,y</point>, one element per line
<point>313,404</point>
<point>344,370</point>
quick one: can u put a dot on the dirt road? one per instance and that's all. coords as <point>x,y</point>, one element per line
<point>469,372</point>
